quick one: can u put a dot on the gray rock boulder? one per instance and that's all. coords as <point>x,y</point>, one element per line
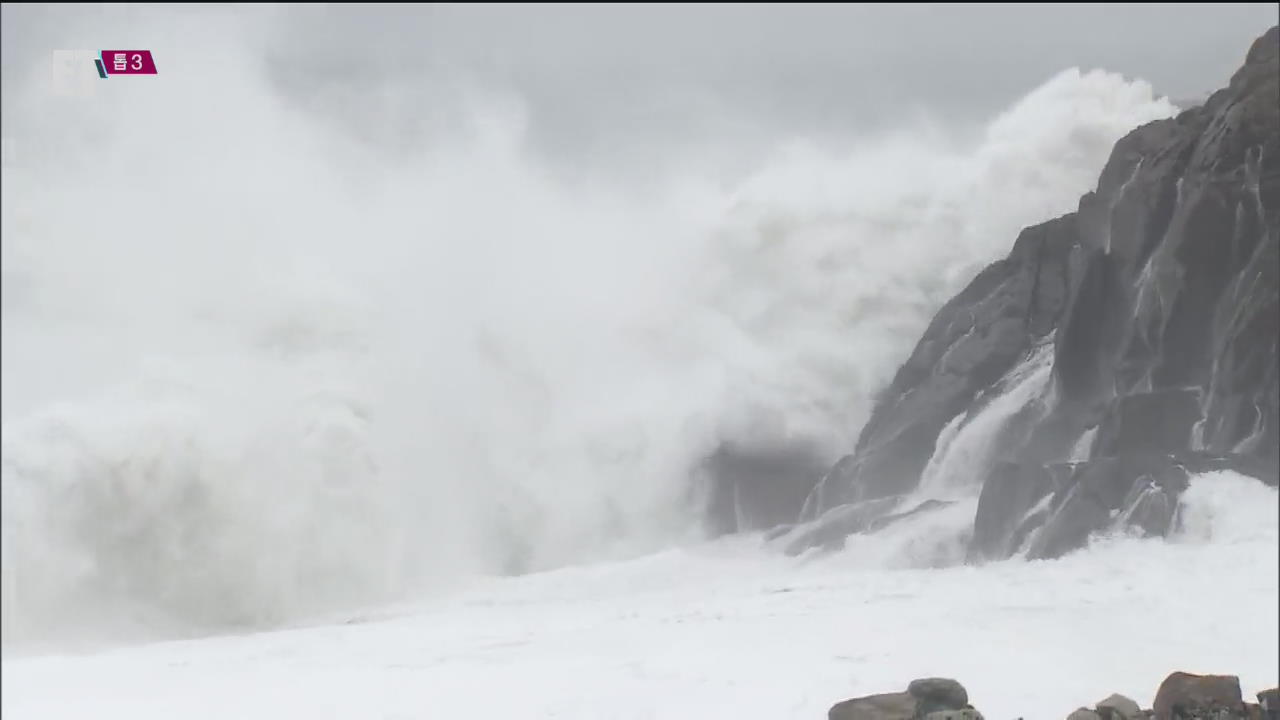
<point>887,706</point>
<point>938,694</point>
<point>1118,707</point>
<point>925,699</point>
<point>1269,702</point>
<point>1183,696</point>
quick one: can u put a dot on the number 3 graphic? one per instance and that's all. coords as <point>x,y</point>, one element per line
<point>137,61</point>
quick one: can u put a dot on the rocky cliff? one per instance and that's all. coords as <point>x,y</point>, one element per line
<point>1114,351</point>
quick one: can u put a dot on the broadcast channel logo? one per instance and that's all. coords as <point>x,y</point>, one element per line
<point>125,62</point>
<point>75,71</point>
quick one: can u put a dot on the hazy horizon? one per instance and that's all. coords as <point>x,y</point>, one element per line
<point>639,85</point>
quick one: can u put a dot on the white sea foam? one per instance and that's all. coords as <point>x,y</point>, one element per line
<point>254,369</point>
<point>723,629</point>
<point>959,465</point>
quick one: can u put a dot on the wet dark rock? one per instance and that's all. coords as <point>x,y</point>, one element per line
<point>1136,492</point>
<point>1155,422</point>
<point>924,507</point>
<point>1010,492</point>
<point>971,343</point>
<point>1096,495</point>
<point>1183,696</point>
<point>1264,469</point>
<point>777,532</point>
<point>1150,508</point>
<point>1085,348</point>
<point>1161,298</point>
<point>830,530</point>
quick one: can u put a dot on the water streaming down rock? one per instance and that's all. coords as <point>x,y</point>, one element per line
<point>1156,306</point>
<point>1013,405</point>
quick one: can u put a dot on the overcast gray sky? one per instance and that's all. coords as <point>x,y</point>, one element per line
<point>607,75</point>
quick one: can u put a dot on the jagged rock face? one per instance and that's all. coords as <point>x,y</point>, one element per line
<point>1160,421</point>
<point>1181,286</point>
<point>1011,492</point>
<point>1101,488</point>
<point>1161,295</point>
<point>971,343</point>
<point>1172,331</point>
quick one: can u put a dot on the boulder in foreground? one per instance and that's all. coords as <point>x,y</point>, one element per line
<point>1183,696</point>
<point>925,699</point>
